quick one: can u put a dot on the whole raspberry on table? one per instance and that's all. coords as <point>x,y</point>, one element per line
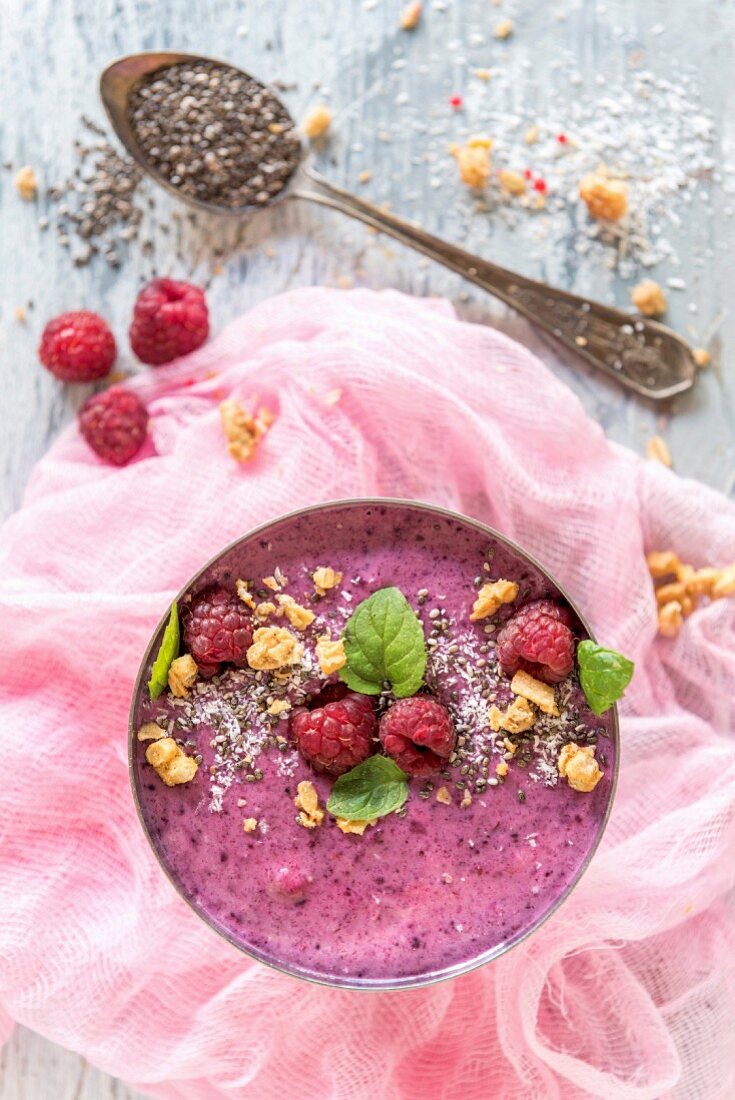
<point>217,627</point>
<point>114,424</point>
<point>418,734</point>
<point>538,639</point>
<point>77,347</point>
<point>169,319</point>
<point>337,736</point>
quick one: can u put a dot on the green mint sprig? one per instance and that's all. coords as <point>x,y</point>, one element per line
<point>604,675</point>
<point>372,789</point>
<point>168,651</point>
<point>384,643</point>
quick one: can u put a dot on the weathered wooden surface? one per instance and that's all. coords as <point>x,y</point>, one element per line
<point>382,85</point>
<point>31,1068</point>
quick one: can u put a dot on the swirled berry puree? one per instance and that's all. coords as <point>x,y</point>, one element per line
<point>376,743</point>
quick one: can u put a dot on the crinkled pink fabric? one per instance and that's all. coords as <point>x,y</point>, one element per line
<point>627,992</point>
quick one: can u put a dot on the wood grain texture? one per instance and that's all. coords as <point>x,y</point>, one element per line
<point>51,52</point>
<point>31,1068</point>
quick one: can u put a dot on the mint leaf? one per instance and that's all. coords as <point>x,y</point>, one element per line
<point>168,651</point>
<point>604,675</point>
<point>384,641</point>
<point>372,789</point>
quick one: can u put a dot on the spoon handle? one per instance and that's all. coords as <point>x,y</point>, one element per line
<point>642,355</point>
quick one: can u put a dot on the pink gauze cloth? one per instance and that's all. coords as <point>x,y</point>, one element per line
<point>628,991</point>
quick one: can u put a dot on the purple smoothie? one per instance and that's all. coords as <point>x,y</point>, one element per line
<point>422,893</point>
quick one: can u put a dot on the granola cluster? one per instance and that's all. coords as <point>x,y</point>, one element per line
<point>274,647</point>
<point>473,161</point>
<point>170,761</point>
<point>325,578</point>
<point>518,717</point>
<point>311,815</point>
<point>411,16</point>
<point>513,183</point>
<point>578,766</point>
<point>243,431</point>
<point>535,691</point>
<point>657,450</point>
<point>330,654</point>
<point>503,29</point>
<point>649,299</point>
<point>182,675</point>
<point>299,617</point>
<point>346,825</point>
<point>317,121</point>
<point>26,183</point>
<point>680,587</point>
<point>605,199</point>
<point>491,597</point>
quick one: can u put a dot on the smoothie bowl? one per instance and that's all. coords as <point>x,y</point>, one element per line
<point>373,744</point>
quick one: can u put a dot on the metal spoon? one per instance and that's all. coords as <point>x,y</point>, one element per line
<point>642,355</point>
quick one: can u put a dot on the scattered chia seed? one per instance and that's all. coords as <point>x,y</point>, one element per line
<point>214,134</point>
<point>97,204</point>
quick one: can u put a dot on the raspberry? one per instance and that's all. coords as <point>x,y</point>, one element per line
<point>331,693</point>
<point>217,627</point>
<point>289,883</point>
<point>170,319</point>
<point>77,347</point>
<point>114,424</point>
<point>418,734</point>
<point>538,639</point>
<point>337,736</point>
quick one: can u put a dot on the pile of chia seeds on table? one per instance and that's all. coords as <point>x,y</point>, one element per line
<point>97,207</point>
<point>214,134</point>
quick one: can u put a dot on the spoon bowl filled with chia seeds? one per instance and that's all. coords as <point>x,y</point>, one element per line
<point>213,135</point>
<point>222,141</point>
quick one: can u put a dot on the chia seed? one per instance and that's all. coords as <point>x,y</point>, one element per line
<point>97,204</point>
<point>214,134</point>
